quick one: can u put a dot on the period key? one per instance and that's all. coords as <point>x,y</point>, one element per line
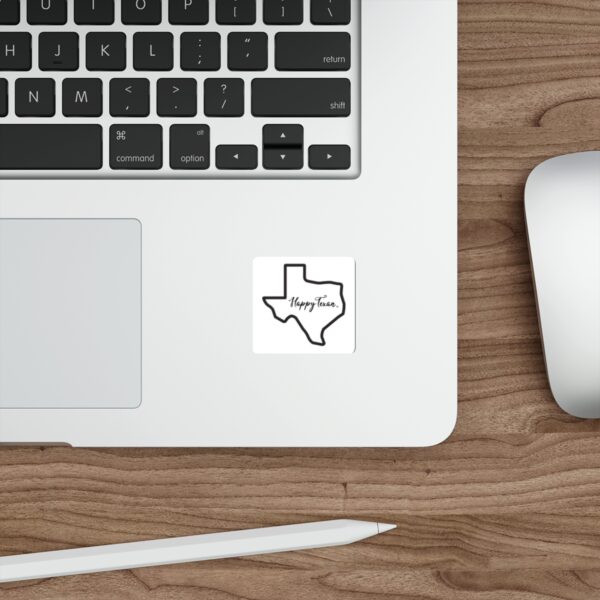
<point>190,147</point>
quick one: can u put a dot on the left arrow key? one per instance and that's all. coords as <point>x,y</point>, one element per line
<point>237,158</point>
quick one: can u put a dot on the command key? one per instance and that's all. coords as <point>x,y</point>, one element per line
<point>136,147</point>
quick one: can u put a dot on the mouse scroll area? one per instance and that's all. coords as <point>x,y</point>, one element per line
<point>70,313</point>
<point>562,202</point>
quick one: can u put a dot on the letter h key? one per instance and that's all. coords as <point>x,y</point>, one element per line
<point>15,51</point>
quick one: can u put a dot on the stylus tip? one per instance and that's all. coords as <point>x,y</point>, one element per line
<point>383,527</point>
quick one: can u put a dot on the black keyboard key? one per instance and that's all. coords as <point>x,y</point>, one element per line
<point>224,97</point>
<point>283,158</point>
<point>15,51</point>
<point>129,97</point>
<point>50,147</point>
<point>10,12</point>
<point>82,97</point>
<point>235,158</point>
<point>312,51</point>
<point>3,97</point>
<point>136,147</point>
<point>153,51</point>
<point>94,12</point>
<point>188,12</point>
<point>248,51</point>
<point>283,136</point>
<point>330,158</point>
<point>177,98</point>
<point>46,12</point>
<point>330,12</point>
<point>58,51</point>
<point>190,147</point>
<point>283,12</point>
<point>236,12</point>
<point>34,97</point>
<point>301,97</point>
<point>200,51</point>
<point>141,12</point>
<point>105,51</point>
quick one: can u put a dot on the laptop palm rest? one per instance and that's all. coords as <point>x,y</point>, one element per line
<point>70,313</point>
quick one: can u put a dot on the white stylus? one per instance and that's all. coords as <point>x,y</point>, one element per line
<point>187,549</point>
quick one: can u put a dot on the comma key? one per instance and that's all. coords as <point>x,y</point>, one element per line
<point>136,147</point>
<point>190,147</point>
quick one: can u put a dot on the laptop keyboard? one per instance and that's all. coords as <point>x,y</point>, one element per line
<point>179,88</point>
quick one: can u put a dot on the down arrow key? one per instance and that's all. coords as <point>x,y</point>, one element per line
<point>290,159</point>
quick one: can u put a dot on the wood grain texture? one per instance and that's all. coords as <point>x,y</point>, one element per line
<point>507,509</point>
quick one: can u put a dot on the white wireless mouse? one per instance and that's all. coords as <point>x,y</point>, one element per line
<point>562,206</point>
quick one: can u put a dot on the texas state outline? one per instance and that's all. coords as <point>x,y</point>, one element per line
<point>286,267</point>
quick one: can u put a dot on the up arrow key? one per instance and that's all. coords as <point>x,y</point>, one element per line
<point>282,136</point>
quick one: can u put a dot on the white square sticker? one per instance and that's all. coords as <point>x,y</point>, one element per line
<point>304,305</point>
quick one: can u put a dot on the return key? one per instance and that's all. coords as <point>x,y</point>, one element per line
<point>312,51</point>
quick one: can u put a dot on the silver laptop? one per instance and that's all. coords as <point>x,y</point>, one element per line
<point>227,222</point>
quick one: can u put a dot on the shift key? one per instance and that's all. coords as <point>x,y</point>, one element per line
<point>298,97</point>
<point>136,147</point>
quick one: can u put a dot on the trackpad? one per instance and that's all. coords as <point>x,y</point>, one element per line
<point>70,313</point>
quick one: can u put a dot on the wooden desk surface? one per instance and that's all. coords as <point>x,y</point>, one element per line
<point>507,509</point>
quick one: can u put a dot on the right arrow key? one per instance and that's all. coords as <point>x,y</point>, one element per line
<point>330,158</point>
